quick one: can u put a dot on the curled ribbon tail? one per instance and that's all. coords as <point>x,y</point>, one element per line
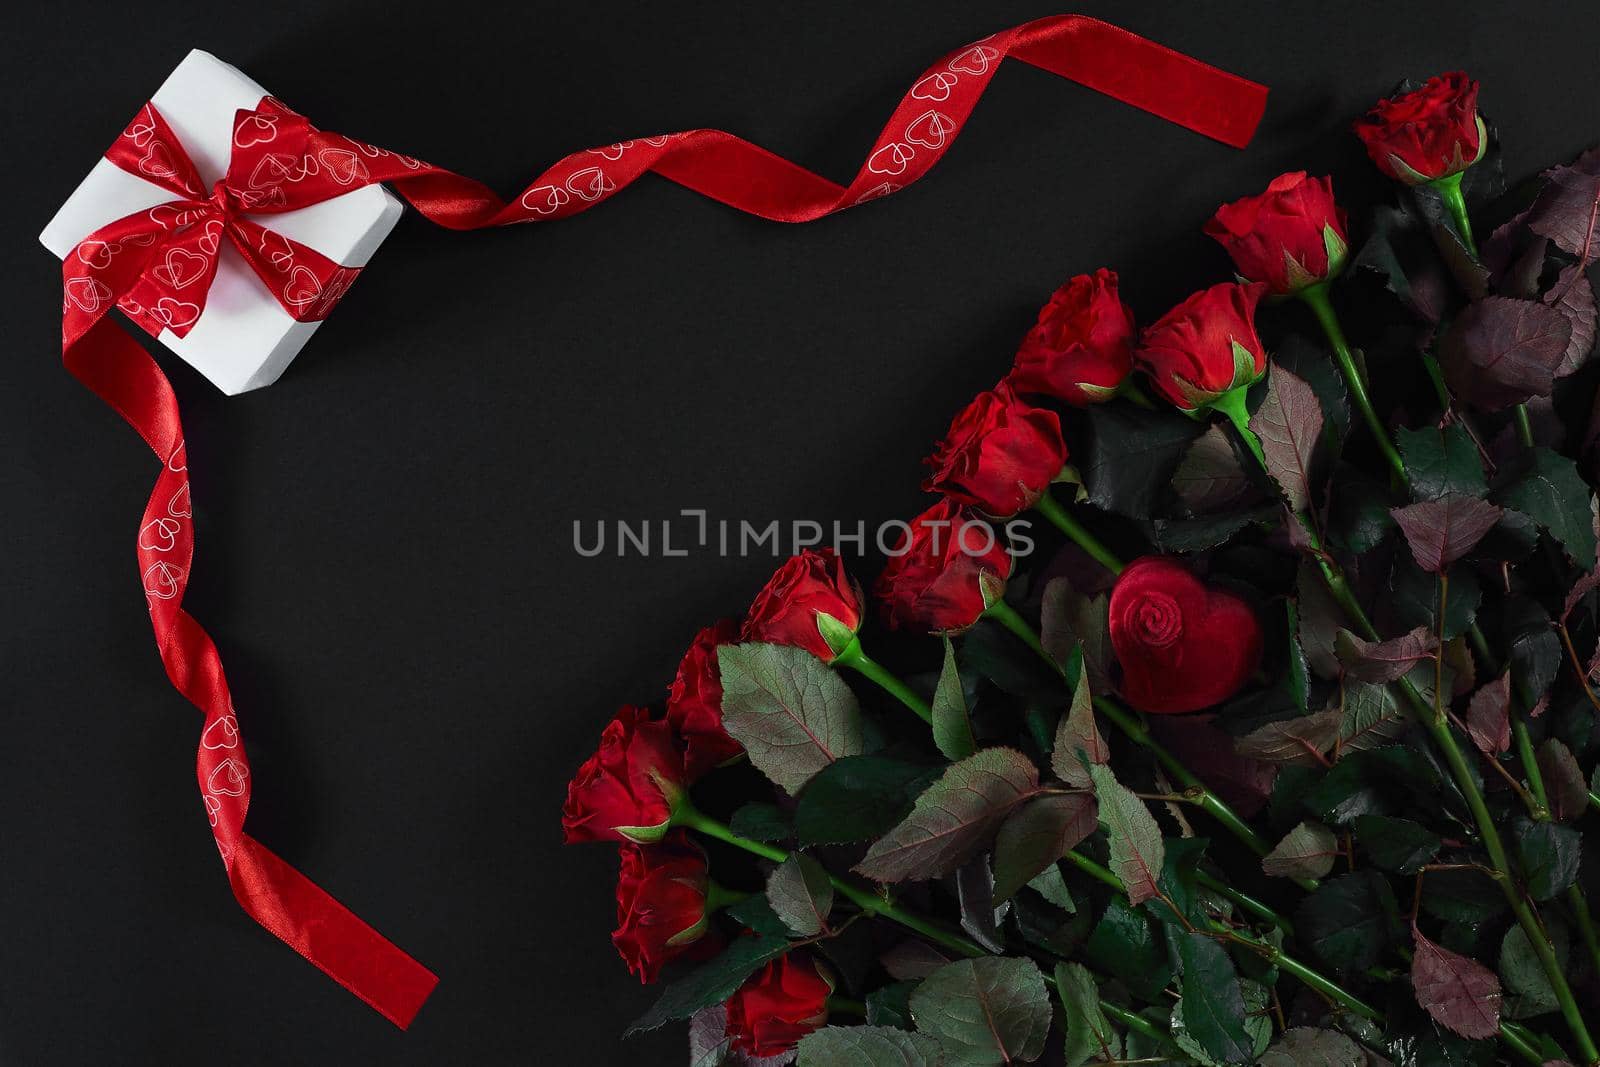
<point>148,263</point>
<point>749,178</point>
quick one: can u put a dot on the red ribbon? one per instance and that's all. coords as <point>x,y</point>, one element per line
<point>158,265</point>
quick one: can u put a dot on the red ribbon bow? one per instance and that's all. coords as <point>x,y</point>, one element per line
<point>158,266</point>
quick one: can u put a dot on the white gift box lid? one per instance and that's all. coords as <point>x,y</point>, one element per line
<point>244,339</point>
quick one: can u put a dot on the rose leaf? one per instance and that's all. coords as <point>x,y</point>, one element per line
<point>952,724</point>
<point>1137,851</point>
<point>1502,351</point>
<point>1488,717</point>
<point>792,713</point>
<point>1038,835</point>
<point>1442,531</point>
<point>868,1046</point>
<point>1549,490</point>
<point>1461,994</point>
<point>954,818</point>
<point>993,1010</point>
<point>801,895</point>
<point>1289,422</point>
<point>1307,851</point>
<point>1381,662</point>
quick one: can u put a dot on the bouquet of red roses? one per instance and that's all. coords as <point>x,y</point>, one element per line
<point>1285,757</point>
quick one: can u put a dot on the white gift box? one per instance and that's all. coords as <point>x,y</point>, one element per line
<point>244,339</point>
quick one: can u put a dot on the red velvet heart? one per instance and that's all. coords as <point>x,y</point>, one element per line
<point>1182,646</point>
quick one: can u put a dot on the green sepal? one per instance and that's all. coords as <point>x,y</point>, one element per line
<point>690,935</point>
<point>1337,248</point>
<point>1244,368</point>
<point>645,835</point>
<point>993,588</point>
<point>837,635</point>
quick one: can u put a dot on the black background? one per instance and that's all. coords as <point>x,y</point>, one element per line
<point>418,656</point>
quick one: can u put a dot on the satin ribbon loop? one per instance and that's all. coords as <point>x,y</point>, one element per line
<point>270,157</point>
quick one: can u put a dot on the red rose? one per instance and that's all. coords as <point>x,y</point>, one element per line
<point>1181,646</point>
<point>1206,346</point>
<point>1291,236</point>
<point>778,1005</point>
<point>1081,348</point>
<point>946,570</point>
<point>661,903</point>
<point>810,603</point>
<point>999,456</point>
<point>625,791</point>
<point>1428,133</point>
<point>694,701</point>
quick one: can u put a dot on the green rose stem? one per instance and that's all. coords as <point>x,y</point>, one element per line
<point>685,814</point>
<point>1137,732</point>
<point>857,660</point>
<point>1327,987</point>
<point>1316,298</point>
<point>1131,391</point>
<point>1231,405</point>
<point>1245,901</point>
<point>1449,189</point>
<point>1521,1041</point>
<point>719,896</point>
<point>1524,425</point>
<point>1047,506</point>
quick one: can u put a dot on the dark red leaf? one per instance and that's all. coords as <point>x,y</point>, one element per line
<point>1573,296</point>
<point>1501,351</point>
<point>1563,780</point>
<point>1488,717</point>
<point>1567,207</point>
<point>1289,422</point>
<point>1580,589</point>
<point>1384,661</point>
<point>1461,994</point>
<point>1521,277</point>
<point>1294,742</point>
<point>1442,531</point>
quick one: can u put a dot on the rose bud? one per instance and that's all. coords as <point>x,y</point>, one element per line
<point>810,603</point>
<point>1205,347</point>
<point>944,573</point>
<point>1081,349</point>
<point>661,903</point>
<point>694,702</point>
<point>1182,646</point>
<point>999,456</point>
<point>1429,133</point>
<point>626,790</point>
<point>779,1005</point>
<point>1291,236</point>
